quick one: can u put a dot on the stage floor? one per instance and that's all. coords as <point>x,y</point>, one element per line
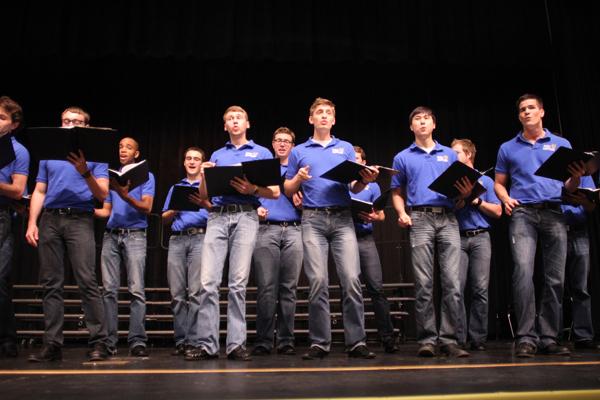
<point>491,374</point>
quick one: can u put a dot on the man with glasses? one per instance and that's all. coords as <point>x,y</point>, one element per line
<point>64,198</point>
<point>277,261</point>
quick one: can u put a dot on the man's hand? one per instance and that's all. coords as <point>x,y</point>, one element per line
<point>576,169</point>
<point>368,175</point>
<point>303,173</point>
<point>32,235</point>
<point>509,205</point>
<point>368,217</point>
<point>404,220</point>
<point>297,199</point>
<point>262,213</point>
<point>243,185</point>
<point>464,187</point>
<point>78,161</point>
<point>122,191</point>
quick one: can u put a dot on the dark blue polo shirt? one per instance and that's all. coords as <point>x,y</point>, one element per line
<point>283,208</point>
<point>123,214</point>
<point>186,219</point>
<point>20,166</point>
<point>469,217</point>
<point>576,215</point>
<point>370,193</point>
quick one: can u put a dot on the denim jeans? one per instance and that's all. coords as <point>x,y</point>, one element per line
<point>429,230</point>
<point>129,248</point>
<point>474,272</point>
<point>234,234</point>
<point>370,267</point>
<point>8,332</point>
<point>183,271</point>
<point>526,226</point>
<point>322,230</point>
<point>277,265</point>
<point>73,234</point>
<point>578,269</point>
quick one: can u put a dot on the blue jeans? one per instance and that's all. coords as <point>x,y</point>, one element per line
<point>429,230</point>
<point>370,266</point>
<point>526,226</point>
<point>578,269</point>
<point>233,233</point>
<point>73,235</point>
<point>183,272</point>
<point>8,332</point>
<point>277,265</point>
<point>322,230</point>
<point>476,254</point>
<point>129,248</point>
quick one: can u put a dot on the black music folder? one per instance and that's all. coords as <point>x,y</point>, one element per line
<point>478,190</point>
<point>444,183</point>
<point>136,174</point>
<point>555,167</point>
<point>592,195</point>
<point>7,152</point>
<point>357,206</point>
<point>180,198</point>
<point>388,170</point>
<point>260,172</point>
<point>48,143</point>
<point>345,172</point>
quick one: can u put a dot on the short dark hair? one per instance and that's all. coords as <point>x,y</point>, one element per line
<point>528,96</point>
<point>78,110</point>
<point>361,151</point>
<point>285,130</point>
<point>195,148</point>
<point>12,108</point>
<point>421,110</point>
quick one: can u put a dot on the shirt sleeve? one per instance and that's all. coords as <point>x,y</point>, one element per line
<point>168,199</point>
<point>42,172</point>
<point>398,180</point>
<point>501,161</point>
<point>148,188</point>
<point>21,162</point>
<point>292,169</point>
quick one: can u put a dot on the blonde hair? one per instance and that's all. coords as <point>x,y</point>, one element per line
<point>319,101</point>
<point>235,109</point>
<point>467,146</point>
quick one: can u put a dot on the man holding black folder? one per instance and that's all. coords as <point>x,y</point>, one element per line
<point>232,228</point>
<point>188,229</point>
<point>327,223</point>
<point>13,180</point>
<point>125,240</point>
<point>432,223</point>
<point>64,197</point>
<point>534,206</point>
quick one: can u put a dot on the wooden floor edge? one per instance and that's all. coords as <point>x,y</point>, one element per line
<point>533,395</point>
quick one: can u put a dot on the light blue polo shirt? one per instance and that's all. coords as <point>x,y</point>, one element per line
<point>317,191</point>
<point>418,169</point>
<point>20,166</point>
<point>123,214</point>
<point>519,159</point>
<point>66,188</point>
<point>370,193</point>
<point>186,219</point>
<point>470,217</point>
<point>576,215</point>
<point>229,155</point>
<point>283,208</point>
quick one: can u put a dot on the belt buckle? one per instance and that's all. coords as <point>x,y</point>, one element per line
<point>285,224</point>
<point>231,208</point>
<point>472,233</point>
<point>63,211</point>
<point>191,231</point>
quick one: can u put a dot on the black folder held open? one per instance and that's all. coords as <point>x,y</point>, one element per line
<point>180,198</point>
<point>345,172</point>
<point>444,183</point>
<point>136,174</point>
<point>7,152</point>
<point>260,172</point>
<point>555,167</point>
<point>358,206</point>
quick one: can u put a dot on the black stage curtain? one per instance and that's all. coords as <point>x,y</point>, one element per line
<point>163,72</point>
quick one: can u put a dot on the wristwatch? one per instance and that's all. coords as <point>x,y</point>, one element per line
<point>479,201</point>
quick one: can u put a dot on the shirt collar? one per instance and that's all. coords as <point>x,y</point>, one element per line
<point>250,144</point>
<point>311,142</point>
<point>436,148</point>
<point>188,183</point>
<point>547,137</point>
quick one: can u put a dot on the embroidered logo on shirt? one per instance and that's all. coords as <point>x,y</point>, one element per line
<point>252,154</point>
<point>338,150</point>
<point>549,147</point>
<point>443,158</point>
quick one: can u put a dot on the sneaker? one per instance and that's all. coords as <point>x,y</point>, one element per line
<point>426,350</point>
<point>98,353</point>
<point>361,351</point>
<point>197,354</point>
<point>260,351</point>
<point>138,351</point>
<point>454,350</point>
<point>48,353</point>
<point>287,350</point>
<point>525,350</point>
<point>314,353</point>
<point>239,354</point>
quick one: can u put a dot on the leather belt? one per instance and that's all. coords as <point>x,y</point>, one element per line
<point>68,211</point>
<point>430,209</point>
<point>281,223</point>
<point>328,209</point>
<point>233,208</point>
<point>122,231</point>
<point>189,231</point>
<point>542,206</point>
<point>472,232</point>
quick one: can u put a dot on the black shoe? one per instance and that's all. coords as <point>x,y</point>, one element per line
<point>9,350</point>
<point>260,351</point>
<point>477,346</point>
<point>239,354</point>
<point>389,346</point>
<point>112,351</point>
<point>98,353</point>
<point>586,345</point>
<point>179,350</point>
<point>555,350</point>
<point>453,350</point>
<point>525,350</point>
<point>361,351</point>
<point>315,353</point>
<point>138,351</point>
<point>287,350</point>
<point>48,353</point>
<point>197,354</point>
<point>426,350</point>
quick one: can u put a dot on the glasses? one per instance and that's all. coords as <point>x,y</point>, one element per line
<point>283,141</point>
<point>76,122</point>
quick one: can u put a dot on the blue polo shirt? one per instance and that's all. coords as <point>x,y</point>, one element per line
<point>418,169</point>
<point>66,188</point>
<point>229,155</point>
<point>370,193</point>
<point>20,166</point>
<point>576,215</point>
<point>123,214</point>
<point>317,191</point>
<point>283,208</point>
<point>519,159</point>
<point>186,219</point>
<point>469,217</point>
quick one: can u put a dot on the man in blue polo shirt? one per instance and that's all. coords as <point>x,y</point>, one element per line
<point>476,252</point>
<point>125,240</point>
<point>64,197</point>
<point>232,228</point>
<point>432,223</point>
<point>327,223</point>
<point>370,264</point>
<point>188,229</point>
<point>13,180</point>
<point>277,262</point>
<point>533,204</point>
